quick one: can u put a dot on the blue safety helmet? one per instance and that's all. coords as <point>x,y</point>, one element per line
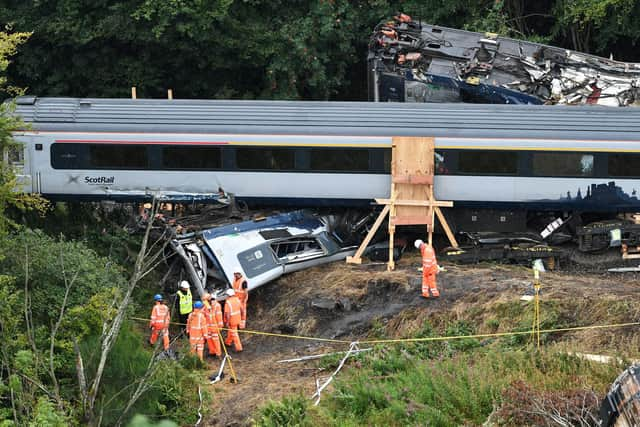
<point>198,304</point>
<point>158,297</point>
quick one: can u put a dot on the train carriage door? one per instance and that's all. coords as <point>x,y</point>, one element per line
<point>17,157</point>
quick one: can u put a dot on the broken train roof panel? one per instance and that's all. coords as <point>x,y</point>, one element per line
<point>297,220</point>
<point>315,118</point>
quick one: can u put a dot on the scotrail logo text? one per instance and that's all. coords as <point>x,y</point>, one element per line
<point>99,180</point>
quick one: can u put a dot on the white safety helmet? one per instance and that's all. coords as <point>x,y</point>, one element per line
<point>184,284</point>
<point>418,243</point>
<point>230,292</point>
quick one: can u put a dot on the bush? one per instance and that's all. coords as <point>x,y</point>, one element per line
<point>290,412</point>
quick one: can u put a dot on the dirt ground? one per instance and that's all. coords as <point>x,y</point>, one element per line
<point>347,302</point>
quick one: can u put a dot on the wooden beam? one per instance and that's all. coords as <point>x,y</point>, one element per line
<point>411,220</point>
<point>441,203</point>
<point>133,92</point>
<point>445,227</point>
<point>357,257</point>
<point>391,265</point>
<point>413,179</point>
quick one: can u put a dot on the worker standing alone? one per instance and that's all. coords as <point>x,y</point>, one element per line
<point>197,329</point>
<point>184,301</point>
<point>429,269</point>
<point>240,286</point>
<point>213,313</point>
<point>232,319</point>
<point>159,324</point>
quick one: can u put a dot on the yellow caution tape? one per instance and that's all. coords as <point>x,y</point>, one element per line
<point>270,334</point>
<point>423,339</point>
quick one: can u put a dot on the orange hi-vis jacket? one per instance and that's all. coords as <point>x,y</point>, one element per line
<point>197,324</point>
<point>160,316</point>
<point>429,262</point>
<point>232,311</point>
<point>213,312</point>
<point>241,291</point>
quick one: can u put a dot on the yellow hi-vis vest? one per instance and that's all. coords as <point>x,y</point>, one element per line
<point>186,302</point>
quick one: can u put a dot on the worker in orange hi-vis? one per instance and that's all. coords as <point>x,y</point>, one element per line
<point>197,329</point>
<point>213,313</point>
<point>429,269</point>
<point>232,319</point>
<point>159,324</point>
<point>240,286</point>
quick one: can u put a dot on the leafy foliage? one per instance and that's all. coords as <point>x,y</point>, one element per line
<point>38,268</point>
<point>272,49</point>
<point>290,412</point>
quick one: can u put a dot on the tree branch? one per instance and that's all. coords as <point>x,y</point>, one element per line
<point>109,337</point>
<point>54,331</point>
<point>82,379</point>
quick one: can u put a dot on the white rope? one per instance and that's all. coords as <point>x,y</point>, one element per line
<point>352,348</point>
<point>319,356</point>
<point>219,376</point>
<point>199,408</point>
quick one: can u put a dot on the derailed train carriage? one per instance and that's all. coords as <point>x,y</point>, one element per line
<point>412,61</point>
<point>507,168</point>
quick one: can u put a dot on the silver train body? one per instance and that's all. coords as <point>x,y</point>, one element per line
<point>328,153</point>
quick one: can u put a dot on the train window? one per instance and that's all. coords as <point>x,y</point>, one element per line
<point>200,158</point>
<point>117,156</point>
<point>488,162</point>
<point>562,164</point>
<point>352,160</point>
<point>387,160</point>
<point>624,164</point>
<point>67,156</point>
<point>265,158</point>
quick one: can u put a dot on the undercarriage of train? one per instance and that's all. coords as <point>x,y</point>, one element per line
<point>519,236</point>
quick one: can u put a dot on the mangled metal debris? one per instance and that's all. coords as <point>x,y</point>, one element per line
<point>262,250</point>
<point>410,61</point>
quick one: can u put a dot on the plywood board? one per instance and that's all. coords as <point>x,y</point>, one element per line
<point>412,168</point>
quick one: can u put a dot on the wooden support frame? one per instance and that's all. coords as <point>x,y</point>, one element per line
<point>412,200</point>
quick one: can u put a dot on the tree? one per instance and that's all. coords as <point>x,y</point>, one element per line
<point>9,197</point>
<point>601,20</point>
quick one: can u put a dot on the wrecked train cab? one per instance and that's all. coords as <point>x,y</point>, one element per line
<point>412,61</point>
<point>262,250</point>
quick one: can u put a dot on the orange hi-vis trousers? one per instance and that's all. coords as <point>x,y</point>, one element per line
<point>197,330</point>
<point>164,333</point>
<point>213,343</point>
<point>233,337</point>
<point>429,284</point>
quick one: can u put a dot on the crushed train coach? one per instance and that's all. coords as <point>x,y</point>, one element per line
<point>261,249</point>
<point>411,61</point>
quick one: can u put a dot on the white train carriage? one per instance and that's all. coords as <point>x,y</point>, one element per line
<point>329,153</point>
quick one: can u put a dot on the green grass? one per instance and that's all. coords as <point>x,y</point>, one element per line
<point>395,388</point>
